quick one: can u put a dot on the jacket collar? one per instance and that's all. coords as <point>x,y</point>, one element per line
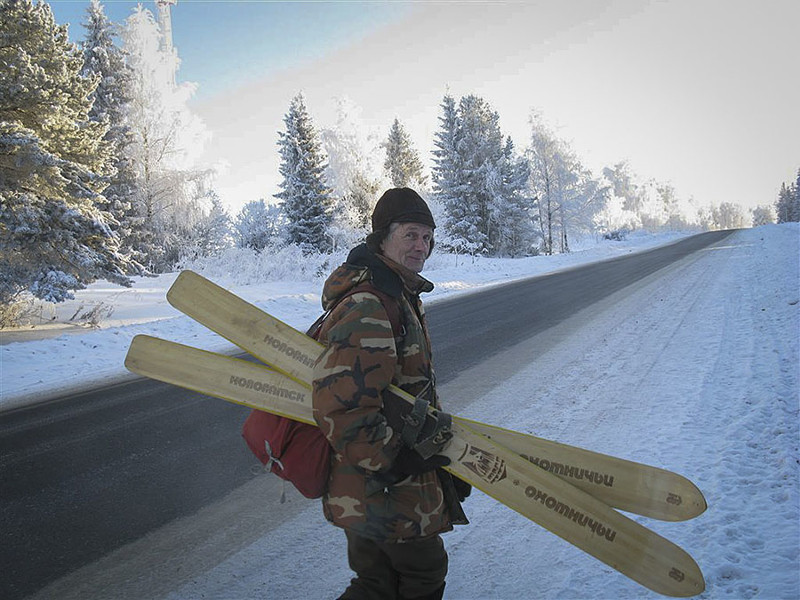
<point>387,275</point>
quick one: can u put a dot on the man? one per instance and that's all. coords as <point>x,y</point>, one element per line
<point>386,490</point>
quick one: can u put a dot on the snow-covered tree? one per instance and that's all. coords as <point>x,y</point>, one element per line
<point>726,216</point>
<point>570,197</point>
<point>512,210</point>
<point>353,173</point>
<point>614,220</point>
<point>213,232</point>
<point>654,205</point>
<point>763,215</point>
<point>581,202</point>
<point>480,183</point>
<point>624,186</point>
<point>257,225</point>
<point>458,230</point>
<point>54,164</point>
<point>547,175</point>
<point>103,59</point>
<point>787,206</point>
<point>305,195</point>
<point>402,163</point>
<point>480,145</point>
<point>167,141</point>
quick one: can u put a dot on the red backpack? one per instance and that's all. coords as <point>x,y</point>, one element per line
<point>295,451</point>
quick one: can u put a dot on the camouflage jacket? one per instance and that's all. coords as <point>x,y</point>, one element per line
<point>361,360</point>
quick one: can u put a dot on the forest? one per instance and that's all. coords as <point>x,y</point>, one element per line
<point>100,178</point>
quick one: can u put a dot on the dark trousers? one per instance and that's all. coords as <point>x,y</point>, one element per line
<point>406,571</point>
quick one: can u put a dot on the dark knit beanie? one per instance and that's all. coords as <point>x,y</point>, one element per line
<point>401,205</point>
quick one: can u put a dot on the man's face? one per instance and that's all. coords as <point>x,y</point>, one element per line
<point>408,244</point>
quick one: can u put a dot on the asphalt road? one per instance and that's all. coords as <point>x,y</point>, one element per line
<point>86,474</point>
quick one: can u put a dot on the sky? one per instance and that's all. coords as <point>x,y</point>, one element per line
<point>702,94</point>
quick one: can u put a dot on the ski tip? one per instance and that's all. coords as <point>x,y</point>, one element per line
<point>691,583</point>
<point>673,573</point>
<point>689,504</point>
<point>184,277</point>
<point>133,349</point>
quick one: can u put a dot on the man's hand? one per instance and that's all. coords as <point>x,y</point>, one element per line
<point>427,431</point>
<point>409,462</point>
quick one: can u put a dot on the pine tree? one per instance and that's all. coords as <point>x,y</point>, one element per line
<point>796,188</point>
<point>512,207</point>
<point>54,164</point>
<point>402,161</point>
<point>450,184</point>
<point>480,145</point>
<point>479,182</point>
<point>787,206</point>
<point>103,59</point>
<point>306,200</point>
<point>257,225</point>
<point>212,234</point>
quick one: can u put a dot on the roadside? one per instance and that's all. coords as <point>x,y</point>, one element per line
<point>43,367</point>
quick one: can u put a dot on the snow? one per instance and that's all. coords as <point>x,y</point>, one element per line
<point>694,369</point>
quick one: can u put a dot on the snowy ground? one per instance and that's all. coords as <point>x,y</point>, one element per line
<point>694,369</point>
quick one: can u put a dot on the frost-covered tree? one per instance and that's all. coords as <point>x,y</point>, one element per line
<point>763,215</point>
<point>624,186</point>
<point>213,232</point>
<point>402,163</point>
<point>257,225</point>
<point>103,59</point>
<point>54,164</point>
<point>654,205</point>
<point>512,209</point>
<point>582,198</point>
<point>570,198</point>
<point>353,173</point>
<point>459,231</point>
<point>787,206</point>
<point>546,159</point>
<point>305,196</point>
<point>167,141</point>
<point>480,183</point>
<point>480,146</point>
<point>726,216</point>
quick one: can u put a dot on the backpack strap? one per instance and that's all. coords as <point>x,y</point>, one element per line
<point>390,304</point>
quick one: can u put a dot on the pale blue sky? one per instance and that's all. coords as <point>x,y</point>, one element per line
<point>224,43</point>
<point>699,93</point>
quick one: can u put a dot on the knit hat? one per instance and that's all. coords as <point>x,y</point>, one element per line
<point>401,205</point>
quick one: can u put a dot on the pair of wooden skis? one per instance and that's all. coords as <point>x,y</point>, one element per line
<point>568,490</point>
